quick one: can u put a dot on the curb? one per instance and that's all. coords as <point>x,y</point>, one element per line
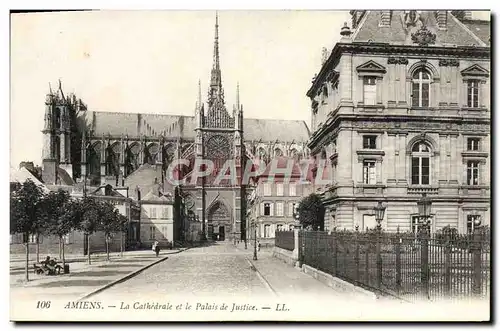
<point>261,277</point>
<point>128,276</point>
<point>335,282</point>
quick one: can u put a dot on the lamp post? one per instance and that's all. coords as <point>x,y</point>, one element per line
<point>424,212</point>
<point>379,215</point>
<point>254,241</point>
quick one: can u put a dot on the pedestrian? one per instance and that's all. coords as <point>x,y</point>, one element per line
<point>258,246</point>
<point>156,247</point>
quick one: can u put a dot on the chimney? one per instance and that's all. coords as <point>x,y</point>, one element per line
<point>345,33</point>
<point>385,19</point>
<point>442,19</point>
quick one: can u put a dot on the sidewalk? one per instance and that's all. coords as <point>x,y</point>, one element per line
<point>286,280</point>
<point>83,278</point>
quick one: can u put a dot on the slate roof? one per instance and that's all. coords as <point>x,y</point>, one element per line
<point>135,124</point>
<point>457,33</point>
<point>482,29</point>
<point>22,175</point>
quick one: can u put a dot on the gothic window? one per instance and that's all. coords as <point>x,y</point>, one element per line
<point>132,158</point>
<point>421,82</point>
<point>218,150</point>
<point>150,154</point>
<point>473,93</point>
<point>420,164</point>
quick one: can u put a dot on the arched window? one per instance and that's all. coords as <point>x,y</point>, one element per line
<point>421,82</point>
<point>420,164</point>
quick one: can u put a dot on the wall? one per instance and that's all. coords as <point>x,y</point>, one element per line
<point>163,224</point>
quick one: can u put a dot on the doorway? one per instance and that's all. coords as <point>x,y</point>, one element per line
<point>222,236</point>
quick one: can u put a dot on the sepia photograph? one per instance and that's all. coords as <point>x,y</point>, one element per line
<point>250,165</point>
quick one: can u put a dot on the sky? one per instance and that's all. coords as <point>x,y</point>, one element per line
<point>151,61</point>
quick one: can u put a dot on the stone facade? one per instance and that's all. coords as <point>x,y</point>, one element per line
<point>134,150</point>
<point>406,117</point>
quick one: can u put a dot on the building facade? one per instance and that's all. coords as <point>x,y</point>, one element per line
<point>157,220</point>
<point>401,107</point>
<point>275,200</point>
<point>131,150</point>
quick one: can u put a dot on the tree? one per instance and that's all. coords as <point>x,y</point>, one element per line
<point>311,212</point>
<point>63,215</point>
<point>109,222</point>
<point>90,215</point>
<point>25,213</point>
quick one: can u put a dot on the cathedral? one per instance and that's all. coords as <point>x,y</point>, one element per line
<point>84,148</point>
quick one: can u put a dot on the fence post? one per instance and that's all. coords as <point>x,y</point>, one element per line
<point>334,252</point>
<point>356,242</point>
<point>476,264</point>
<point>398,261</point>
<point>424,261</point>
<point>379,258</point>
<point>447,264</point>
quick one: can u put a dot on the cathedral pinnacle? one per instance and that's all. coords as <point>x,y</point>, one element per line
<point>216,91</point>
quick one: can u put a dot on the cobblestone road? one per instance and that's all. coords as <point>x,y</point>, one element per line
<point>204,271</point>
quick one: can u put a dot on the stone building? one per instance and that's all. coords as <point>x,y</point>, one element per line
<point>131,150</point>
<point>401,107</point>
<point>276,199</point>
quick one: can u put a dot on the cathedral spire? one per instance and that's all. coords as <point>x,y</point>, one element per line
<point>216,91</point>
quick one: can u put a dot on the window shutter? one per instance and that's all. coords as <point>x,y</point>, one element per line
<point>365,173</point>
<point>261,209</point>
<point>271,209</point>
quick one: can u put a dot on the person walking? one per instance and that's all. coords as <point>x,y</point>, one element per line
<point>156,248</point>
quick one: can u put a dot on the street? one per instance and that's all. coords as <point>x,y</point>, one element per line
<point>219,269</point>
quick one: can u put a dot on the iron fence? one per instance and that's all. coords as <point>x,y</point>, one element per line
<point>285,240</point>
<point>405,265</point>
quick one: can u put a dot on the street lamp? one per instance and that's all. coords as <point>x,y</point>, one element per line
<point>424,212</point>
<point>254,240</point>
<point>379,214</point>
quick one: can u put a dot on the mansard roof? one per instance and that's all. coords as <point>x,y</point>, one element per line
<point>456,33</point>
<point>134,125</point>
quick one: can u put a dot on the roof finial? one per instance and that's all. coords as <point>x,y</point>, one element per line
<point>199,92</point>
<point>50,88</point>
<point>238,95</point>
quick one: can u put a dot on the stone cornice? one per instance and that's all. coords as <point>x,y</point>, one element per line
<point>393,50</point>
<point>396,123</point>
